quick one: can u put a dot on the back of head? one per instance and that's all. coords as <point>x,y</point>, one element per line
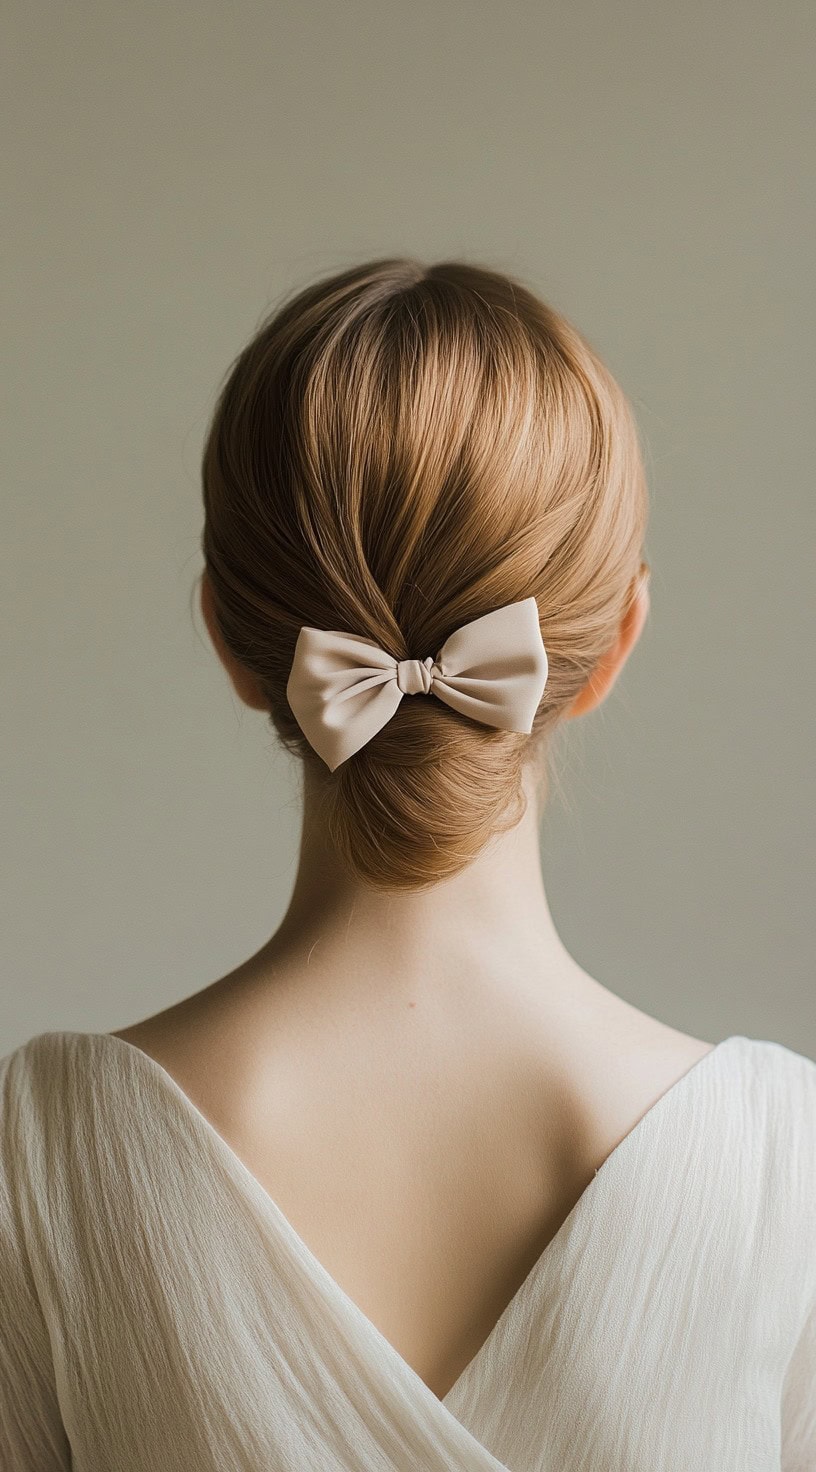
<point>398,450</point>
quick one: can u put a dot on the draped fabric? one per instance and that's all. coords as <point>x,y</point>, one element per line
<point>158,1313</point>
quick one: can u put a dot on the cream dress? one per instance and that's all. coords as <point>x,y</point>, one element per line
<point>158,1313</point>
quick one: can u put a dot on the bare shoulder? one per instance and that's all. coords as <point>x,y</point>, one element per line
<point>171,1028</point>
<point>156,1034</point>
<point>623,1062</point>
<point>640,1044</point>
<point>659,1055</point>
<point>652,1039</point>
<point>213,1046</point>
<point>179,1040</point>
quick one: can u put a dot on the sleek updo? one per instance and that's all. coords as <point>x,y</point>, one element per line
<point>399,449</point>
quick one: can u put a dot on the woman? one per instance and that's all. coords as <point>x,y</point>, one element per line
<point>408,1188</point>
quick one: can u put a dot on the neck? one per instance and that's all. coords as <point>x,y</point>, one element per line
<point>486,931</point>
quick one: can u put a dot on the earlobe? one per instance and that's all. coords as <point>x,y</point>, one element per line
<point>597,686</point>
<point>610,664</point>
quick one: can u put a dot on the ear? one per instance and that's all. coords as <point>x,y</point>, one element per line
<point>610,664</point>
<point>243,682</point>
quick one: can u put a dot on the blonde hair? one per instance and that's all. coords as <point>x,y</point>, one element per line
<point>399,449</point>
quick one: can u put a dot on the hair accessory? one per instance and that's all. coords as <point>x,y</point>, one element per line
<point>343,688</point>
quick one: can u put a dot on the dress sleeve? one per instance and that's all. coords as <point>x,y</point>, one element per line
<point>32,1435</point>
<point>799,1403</point>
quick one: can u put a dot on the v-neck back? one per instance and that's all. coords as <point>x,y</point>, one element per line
<point>164,1313</point>
<point>614,1161</point>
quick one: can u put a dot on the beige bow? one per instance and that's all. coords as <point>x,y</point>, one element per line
<point>343,688</point>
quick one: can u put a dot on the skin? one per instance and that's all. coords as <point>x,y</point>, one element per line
<point>426,1083</point>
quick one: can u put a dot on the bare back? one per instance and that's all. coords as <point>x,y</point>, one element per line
<point>426,1171</point>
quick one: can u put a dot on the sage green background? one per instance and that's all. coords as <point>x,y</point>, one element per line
<point>170,171</point>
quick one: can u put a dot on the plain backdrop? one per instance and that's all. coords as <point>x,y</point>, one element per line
<point>170,171</point>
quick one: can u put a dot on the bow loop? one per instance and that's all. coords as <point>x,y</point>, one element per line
<point>343,688</point>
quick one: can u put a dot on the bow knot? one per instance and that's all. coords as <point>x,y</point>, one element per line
<point>414,676</point>
<point>343,688</point>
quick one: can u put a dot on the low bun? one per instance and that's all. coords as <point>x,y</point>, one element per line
<point>419,802</point>
<point>398,450</point>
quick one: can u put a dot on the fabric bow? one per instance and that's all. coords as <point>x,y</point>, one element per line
<point>343,688</point>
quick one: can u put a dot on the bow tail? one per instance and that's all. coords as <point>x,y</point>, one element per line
<point>509,704</point>
<point>337,723</point>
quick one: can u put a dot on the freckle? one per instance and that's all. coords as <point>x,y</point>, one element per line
<point>412,1004</point>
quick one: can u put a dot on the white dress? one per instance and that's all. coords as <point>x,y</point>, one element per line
<point>158,1313</point>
